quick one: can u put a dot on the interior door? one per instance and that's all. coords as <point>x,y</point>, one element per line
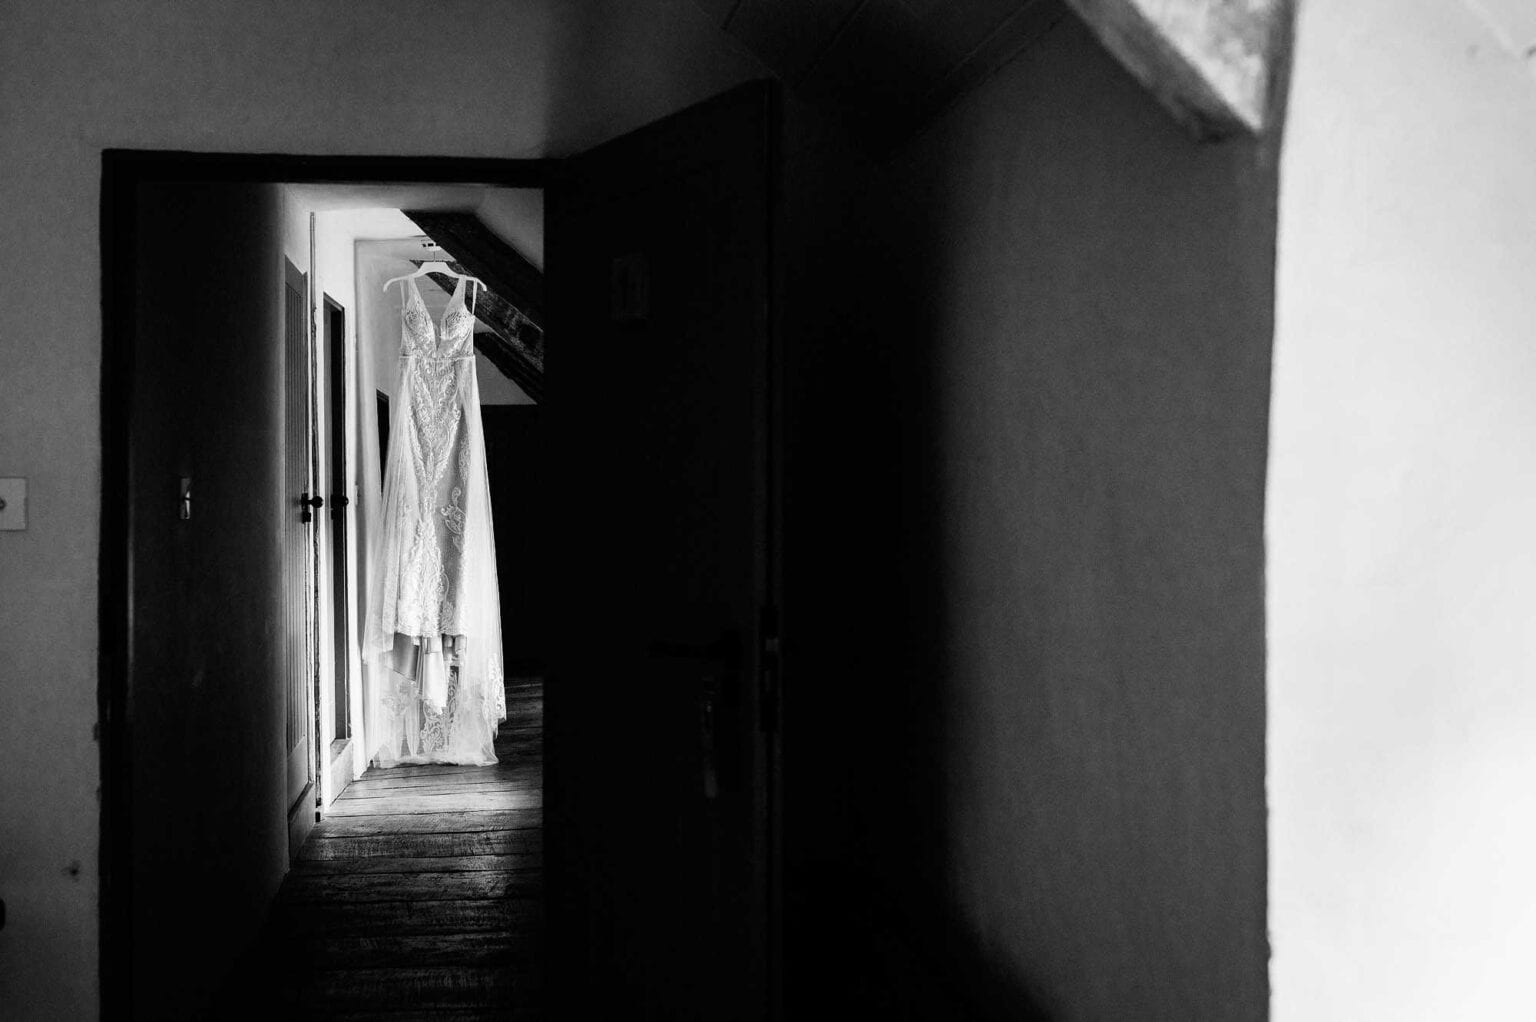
<point>192,804</point>
<point>297,591</point>
<point>660,697</point>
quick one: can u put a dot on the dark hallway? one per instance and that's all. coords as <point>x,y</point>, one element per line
<point>420,895</point>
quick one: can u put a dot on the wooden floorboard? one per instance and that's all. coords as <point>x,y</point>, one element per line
<point>383,918</point>
<point>420,864</point>
<point>526,782</point>
<point>439,886</point>
<point>488,948</point>
<point>427,823</point>
<point>419,894</point>
<point>454,802</point>
<point>512,780</point>
<point>488,842</point>
<point>445,986</point>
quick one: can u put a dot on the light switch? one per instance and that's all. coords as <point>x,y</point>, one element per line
<point>13,504</point>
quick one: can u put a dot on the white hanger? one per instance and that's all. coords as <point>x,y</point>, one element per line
<point>434,267</point>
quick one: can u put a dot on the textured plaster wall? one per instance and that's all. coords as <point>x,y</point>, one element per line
<point>1064,750</point>
<point>1402,574</point>
<point>455,78</point>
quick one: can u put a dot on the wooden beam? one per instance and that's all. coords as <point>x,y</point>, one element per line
<point>1211,63</point>
<point>515,345</point>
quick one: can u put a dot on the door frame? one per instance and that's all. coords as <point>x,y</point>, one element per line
<point>335,408</point>
<point>301,812</point>
<point>123,172</point>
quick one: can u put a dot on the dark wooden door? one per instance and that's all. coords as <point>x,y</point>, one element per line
<point>659,703</point>
<point>297,524</point>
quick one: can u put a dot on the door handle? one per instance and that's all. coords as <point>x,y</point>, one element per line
<point>305,503</point>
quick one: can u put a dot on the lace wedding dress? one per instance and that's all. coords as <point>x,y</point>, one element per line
<point>433,632</point>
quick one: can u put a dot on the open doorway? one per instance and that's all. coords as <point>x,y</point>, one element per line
<point>252,344</point>
<point>373,247</point>
<point>421,879</point>
<point>657,551</point>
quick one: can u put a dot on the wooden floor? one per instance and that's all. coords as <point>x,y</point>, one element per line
<point>419,894</point>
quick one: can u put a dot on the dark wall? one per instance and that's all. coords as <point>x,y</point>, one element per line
<point>209,822</point>
<point>853,947</point>
<point>514,458</point>
<point>1025,671</point>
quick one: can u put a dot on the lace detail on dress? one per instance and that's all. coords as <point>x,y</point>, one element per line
<point>434,732</point>
<point>453,517</point>
<point>399,697</point>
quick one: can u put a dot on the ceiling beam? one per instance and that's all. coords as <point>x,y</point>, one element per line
<point>513,346</point>
<point>1211,63</point>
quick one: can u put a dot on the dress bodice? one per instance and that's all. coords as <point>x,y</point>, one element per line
<point>453,338</point>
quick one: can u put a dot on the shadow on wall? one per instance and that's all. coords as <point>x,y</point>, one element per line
<point>1034,763</point>
<point>888,954</point>
<point>861,940</point>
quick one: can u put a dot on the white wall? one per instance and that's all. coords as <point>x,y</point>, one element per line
<point>1402,499</point>
<point>455,78</point>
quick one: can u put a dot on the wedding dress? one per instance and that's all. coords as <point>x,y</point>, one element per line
<point>433,630</point>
